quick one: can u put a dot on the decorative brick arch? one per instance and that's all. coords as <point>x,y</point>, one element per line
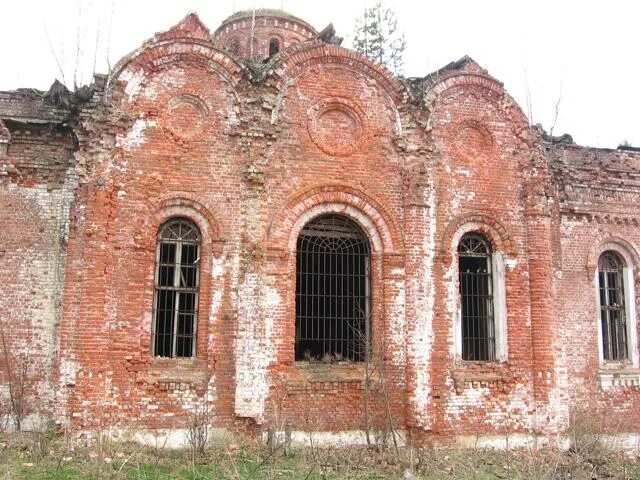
<point>294,61</point>
<point>132,69</point>
<point>211,246</point>
<point>181,205</point>
<point>477,222</point>
<point>622,247</point>
<point>383,234</point>
<point>477,80</point>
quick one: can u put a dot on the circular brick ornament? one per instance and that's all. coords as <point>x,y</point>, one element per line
<point>472,139</point>
<point>184,116</point>
<point>336,126</point>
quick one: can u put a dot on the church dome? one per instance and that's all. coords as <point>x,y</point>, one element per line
<point>261,32</point>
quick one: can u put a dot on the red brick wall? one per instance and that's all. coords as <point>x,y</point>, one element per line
<point>183,130</point>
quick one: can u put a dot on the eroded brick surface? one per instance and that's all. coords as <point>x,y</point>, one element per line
<point>251,151</point>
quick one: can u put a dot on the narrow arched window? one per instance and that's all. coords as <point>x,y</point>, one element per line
<point>234,46</point>
<point>332,290</point>
<point>274,46</point>
<point>176,289</point>
<point>612,307</point>
<point>476,297</point>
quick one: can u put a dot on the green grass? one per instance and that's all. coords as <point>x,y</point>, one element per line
<point>40,457</point>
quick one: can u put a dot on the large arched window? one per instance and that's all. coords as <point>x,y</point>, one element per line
<point>332,290</point>
<point>175,307</point>
<point>612,307</point>
<point>476,298</point>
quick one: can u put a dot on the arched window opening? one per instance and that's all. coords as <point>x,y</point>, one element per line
<point>234,46</point>
<point>332,290</point>
<point>612,307</point>
<point>274,46</point>
<point>476,297</point>
<point>176,289</point>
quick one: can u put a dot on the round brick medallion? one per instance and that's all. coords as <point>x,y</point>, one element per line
<point>336,126</point>
<point>184,116</point>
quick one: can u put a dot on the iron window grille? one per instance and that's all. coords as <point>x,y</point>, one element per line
<point>175,303</point>
<point>476,297</point>
<point>612,307</point>
<point>332,290</point>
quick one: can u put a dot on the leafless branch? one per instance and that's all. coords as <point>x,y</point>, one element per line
<point>53,53</point>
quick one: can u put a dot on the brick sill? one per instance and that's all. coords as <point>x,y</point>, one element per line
<point>178,370</point>
<point>618,375</point>
<point>480,375</point>
<point>305,376</point>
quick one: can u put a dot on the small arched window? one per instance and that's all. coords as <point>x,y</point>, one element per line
<point>612,307</point>
<point>274,46</point>
<point>234,46</point>
<point>476,298</point>
<point>175,307</point>
<point>332,290</point>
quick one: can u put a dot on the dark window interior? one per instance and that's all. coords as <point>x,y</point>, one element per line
<point>176,289</point>
<point>332,290</point>
<point>274,46</point>
<point>476,296</point>
<point>612,310</point>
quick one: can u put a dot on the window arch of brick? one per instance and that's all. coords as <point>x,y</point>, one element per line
<point>166,208</point>
<point>176,288</point>
<point>333,279</point>
<point>480,316</point>
<point>475,278</point>
<point>386,248</point>
<point>614,278</point>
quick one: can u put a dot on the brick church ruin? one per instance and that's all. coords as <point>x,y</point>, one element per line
<point>259,224</point>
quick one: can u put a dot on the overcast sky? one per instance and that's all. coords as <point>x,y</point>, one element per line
<point>584,53</point>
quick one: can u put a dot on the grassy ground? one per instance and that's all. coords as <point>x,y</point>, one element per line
<point>47,457</point>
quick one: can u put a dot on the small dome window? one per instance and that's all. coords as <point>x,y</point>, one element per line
<point>274,46</point>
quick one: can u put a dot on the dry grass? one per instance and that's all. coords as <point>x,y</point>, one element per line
<point>41,456</point>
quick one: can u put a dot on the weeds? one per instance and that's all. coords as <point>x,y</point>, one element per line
<point>31,457</point>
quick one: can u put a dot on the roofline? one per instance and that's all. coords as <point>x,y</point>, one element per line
<point>263,12</point>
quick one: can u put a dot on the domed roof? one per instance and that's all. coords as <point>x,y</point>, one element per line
<point>264,12</point>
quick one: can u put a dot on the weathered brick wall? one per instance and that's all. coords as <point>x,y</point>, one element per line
<point>598,197</point>
<point>251,152</point>
<point>37,179</point>
<point>481,157</point>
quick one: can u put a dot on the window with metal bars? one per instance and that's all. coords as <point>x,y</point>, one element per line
<point>175,306</point>
<point>332,290</point>
<point>476,297</point>
<point>612,307</point>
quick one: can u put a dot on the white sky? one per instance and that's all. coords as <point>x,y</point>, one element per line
<point>584,52</point>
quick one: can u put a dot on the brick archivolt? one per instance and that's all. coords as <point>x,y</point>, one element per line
<point>287,68</point>
<point>132,70</point>
<point>621,246</point>
<point>383,234</point>
<point>477,222</point>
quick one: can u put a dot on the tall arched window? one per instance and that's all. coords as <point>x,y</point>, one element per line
<point>332,290</point>
<point>175,309</point>
<point>476,297</point>
<point>274,46</point>
<point>612,307</point>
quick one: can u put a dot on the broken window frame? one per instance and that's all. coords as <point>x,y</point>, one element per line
<point>333,320</point>
<point>178,234</point>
